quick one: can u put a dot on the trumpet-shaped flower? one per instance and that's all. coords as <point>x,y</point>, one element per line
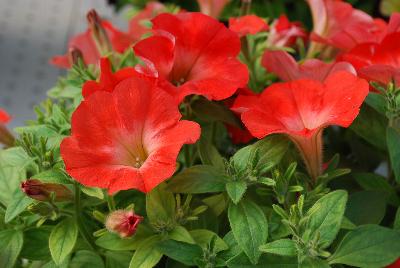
<point>194,54</point>
<point>128,138</point>
<point>302,108</point>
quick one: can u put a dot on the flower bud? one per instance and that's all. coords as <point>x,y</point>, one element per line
<point>38,190</point>
<point>123,222</point>
<point>99,34</point>
<point>74,56</point>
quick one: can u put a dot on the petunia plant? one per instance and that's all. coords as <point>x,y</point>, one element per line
<point>212,134</point>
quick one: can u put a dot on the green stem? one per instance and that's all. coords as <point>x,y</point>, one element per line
<point>111,202</point>
<point>186,154</point>
<point>78,212</point>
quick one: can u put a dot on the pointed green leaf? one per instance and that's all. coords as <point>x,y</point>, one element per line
<point>236,190</point>
<point>393,143</point>
<point>11,242</point>
<point>249,226</point>
<point>160,205</point>
<point>19,203</point>
<point>180,251</point>
<point>62,240</point>
<point>147,255</point>
<point>283,247</point>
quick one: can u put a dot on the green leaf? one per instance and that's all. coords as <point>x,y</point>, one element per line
<point>92,191</point>
<point>266,261</point>
<point>314,263</point>
<point>376,101</point>
<point>283,247</point>
<point>180,251</point>
<point>203,238</point>
<point>236,190</point>
<point>249,227</point>
<point>368,246</point>
<point>19,203</point>
<point>366,207</point>
<point>119,259</point>
<point>217,203</point>
<point>86,259</point>
<point>147,255</point>
<point>326,215</point>
<point>53,176</point>
<point>160,205</point>
<point>10,179</point>
<point>396,223</point>
<point>179,233</point>
<point>36,244</point>
<point>11,242</point>
<point>197,180</point>
<point>375,182</point>
<point>15,157</point>
<point>209,155</point>
<point>371,126</point>
<point>393,143</point>
<point>114,242</point>
<point>210,111</point>
<point>62,240</point>
<point>270,149</point>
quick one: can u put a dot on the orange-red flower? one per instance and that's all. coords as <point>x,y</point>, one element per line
<point>194,54</point>
<point>108,80</point>
<point>302,109</point>
<point>128,138</point>
<point>286,68</point>
<point>100,34</point>
<point>212,8</point>
<point>338,24</point>
<point>249,24</point>
<point>284,33</point>
<point>378,61</point>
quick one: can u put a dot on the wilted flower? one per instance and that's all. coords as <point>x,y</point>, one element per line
<point>123,222</point>
<point>43,191</point>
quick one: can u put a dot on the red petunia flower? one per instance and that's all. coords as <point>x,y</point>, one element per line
<point>123,222</point>
<point>338,24</point>
<point>137,27</point>
<point>90,46</point>
<point>6,137</point>
<point>194,54</point>
<point>127,139</point>
<point>108,80</point>
<point>378,61</point>
<point>249,24</point>
<point>212,8</point>
<point>284,33</point>
<point>287,69</point>
<point>302,109</point>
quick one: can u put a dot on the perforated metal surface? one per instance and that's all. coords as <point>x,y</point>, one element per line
<point>31,32</point>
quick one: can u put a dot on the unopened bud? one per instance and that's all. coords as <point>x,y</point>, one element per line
<point>99,34</point>
<point>75,56</point>
<point>38,190</point>
<point>123,222</point>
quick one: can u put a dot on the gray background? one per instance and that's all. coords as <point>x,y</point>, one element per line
<point>31,32</point>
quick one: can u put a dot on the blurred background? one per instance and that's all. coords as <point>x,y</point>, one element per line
<point>32,31</point>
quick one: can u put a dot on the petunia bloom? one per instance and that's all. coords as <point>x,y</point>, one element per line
<point>249,24</point>
<point>108,80</point>
<point>302,108</point>
<point>101,35</point>
<point>194,54</point>
<point>126,139</point>
<point>6,137</point>
<point>137,27</point>
<point>123,222</point>
<point>212,8</point>
<point>378,61</point>
<point>287,69</point>
<point>284,33</point>
<point>338,24</point>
